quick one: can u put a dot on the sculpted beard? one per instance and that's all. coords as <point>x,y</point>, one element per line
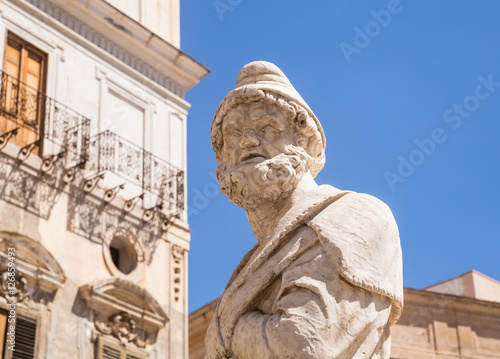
<point>251,185</point>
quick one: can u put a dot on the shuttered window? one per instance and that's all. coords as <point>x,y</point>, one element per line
<point>110,353</point>
<point>130,356</point>
<point>25,338</point>
<point>23,91</point>
<point>107,350</point>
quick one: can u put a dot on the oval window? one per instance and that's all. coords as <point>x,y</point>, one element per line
<point>123,255</point>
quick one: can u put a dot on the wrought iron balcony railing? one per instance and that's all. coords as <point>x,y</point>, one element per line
<point>42,122</point>
<point>158,183</point>
<point>59,132</point>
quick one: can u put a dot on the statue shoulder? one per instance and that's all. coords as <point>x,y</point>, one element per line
<point>360,207</point>
<point>359,233</point>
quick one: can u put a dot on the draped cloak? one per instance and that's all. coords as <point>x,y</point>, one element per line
<point>326,283</point>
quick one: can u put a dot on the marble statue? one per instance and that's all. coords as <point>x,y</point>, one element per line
<point>324,279</point>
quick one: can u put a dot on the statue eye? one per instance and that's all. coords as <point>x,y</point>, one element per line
<point>269,130</point>
<point>232,136</point>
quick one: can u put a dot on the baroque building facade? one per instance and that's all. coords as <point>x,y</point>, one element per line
<point>93,225</point>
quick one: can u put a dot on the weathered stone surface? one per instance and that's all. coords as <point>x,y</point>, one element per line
<point>325,277</point>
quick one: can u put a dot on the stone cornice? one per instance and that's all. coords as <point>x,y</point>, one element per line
<point>428,299</point>
<point>147,38</point>
<point>100,297</point>
<point>48,277</point>
<point>158,60</point>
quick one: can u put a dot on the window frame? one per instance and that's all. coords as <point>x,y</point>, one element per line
<point>27,48</point>
<point>8,354</point>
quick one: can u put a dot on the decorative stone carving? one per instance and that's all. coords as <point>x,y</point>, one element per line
<point>117,294</point>
<point>122,327</point>
<point>19,290</point>
<point>38,274</point>
<point>178,257</point>
<point>325,277</point>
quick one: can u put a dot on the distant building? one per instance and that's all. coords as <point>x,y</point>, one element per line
<point>93,226</point>
<point>458,318</point>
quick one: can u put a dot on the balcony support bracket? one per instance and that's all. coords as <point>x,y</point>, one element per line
<point>91,183</point>
<point>25,152</point>
<point>149,213</point>
<point>130,204</point>
<point>49,161</point>
<point>4,138</point>
<point>167,221</point>
<point>110,194</point>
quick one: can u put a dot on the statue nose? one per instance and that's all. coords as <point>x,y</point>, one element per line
<point>249,139</point>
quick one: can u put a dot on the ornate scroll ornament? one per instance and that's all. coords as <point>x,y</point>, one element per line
<point>14,289</point>
<point>122,327</point>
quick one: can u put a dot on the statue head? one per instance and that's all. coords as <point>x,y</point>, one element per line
<point>265,137</point>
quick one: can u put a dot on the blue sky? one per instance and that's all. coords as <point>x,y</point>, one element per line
<point>408,93</point>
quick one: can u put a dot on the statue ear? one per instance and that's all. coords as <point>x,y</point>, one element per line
<point>318,164</point>
<point>301,140</point>
<point>314,149</point>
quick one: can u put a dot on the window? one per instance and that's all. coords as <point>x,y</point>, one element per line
<point>107,350</point>
<point>23,91</point>
<point>123,255</point>
<point>25,337</point>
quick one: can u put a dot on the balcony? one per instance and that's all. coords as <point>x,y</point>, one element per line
<point>122,166</point>
<point>41,125</point>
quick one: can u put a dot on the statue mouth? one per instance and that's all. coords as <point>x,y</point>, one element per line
<point>252,156</point>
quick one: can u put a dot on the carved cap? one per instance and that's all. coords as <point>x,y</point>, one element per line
<point>262,75</point>
<point>261,72</point>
